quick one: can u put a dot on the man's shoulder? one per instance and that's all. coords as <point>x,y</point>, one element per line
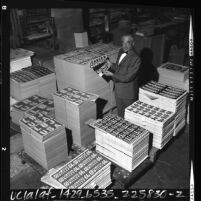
<point>134,54</point>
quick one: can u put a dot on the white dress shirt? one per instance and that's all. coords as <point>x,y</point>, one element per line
<point>121,57</point>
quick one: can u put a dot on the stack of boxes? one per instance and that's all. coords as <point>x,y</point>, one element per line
<point>73,108</point>
<point>122,142</point>
<point>88,170</point>
<point>168,98</point>
<point>32,80</point>
<point>44,139</point>
<point>174,75</point>
<point>158,121</point>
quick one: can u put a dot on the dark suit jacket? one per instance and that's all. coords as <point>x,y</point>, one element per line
<point>126,75</point>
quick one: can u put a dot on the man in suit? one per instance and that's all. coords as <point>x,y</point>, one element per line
<point>124,73</point>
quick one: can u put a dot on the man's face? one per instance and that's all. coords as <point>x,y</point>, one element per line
<point>127,43</point>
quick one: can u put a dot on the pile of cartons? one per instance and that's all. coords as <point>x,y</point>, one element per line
<point>73,108</point>
<point>44,139</point>
<point>20,108</point>
<point>20,58</point>
<point>168,98</point>
<point>88,170</point>
<point>158,121</point>
<point>122,142</point>
<point>32,80</point>
<point>74,69</point>
<point>174,75</point>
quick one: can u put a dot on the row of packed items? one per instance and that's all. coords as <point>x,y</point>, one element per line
<point>169,98</point>
<point>122,142</point>
<point>32,80</point>
<point>88,170</point>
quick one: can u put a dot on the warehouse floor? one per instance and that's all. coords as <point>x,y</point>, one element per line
<point>171,169</point>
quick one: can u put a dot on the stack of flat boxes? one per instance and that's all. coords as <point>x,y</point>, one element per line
<point>122,142</point>
<point>20,108</point>
<point>73,69</point>
<point>32,80</point>
<point>88,170</point>
<point>158,121</point>
<point>168,98</point>
<point>44,139</point>
<point>174,75</point>
<point>73,108</point>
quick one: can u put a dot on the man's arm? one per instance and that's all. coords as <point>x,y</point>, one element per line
<point>132,72</point>
<point>112,66</point>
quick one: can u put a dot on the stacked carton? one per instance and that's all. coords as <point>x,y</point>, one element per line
<point>173,74</point>
<point>168,98</point>
<point>73,108</point>
<point>32,80</point>
<point>44,139</point>
<point>122,142</point>
<point>88,170</point>
<point>158,121</point>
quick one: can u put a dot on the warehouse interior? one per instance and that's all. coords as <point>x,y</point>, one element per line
<point>49,39</point>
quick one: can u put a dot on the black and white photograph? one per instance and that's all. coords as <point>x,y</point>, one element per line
<point>100,99</point>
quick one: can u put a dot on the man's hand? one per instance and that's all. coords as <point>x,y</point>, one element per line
<point>108,73</point>
<point>109,63</point>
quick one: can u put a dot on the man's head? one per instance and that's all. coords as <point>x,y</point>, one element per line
<point>127,42</point>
